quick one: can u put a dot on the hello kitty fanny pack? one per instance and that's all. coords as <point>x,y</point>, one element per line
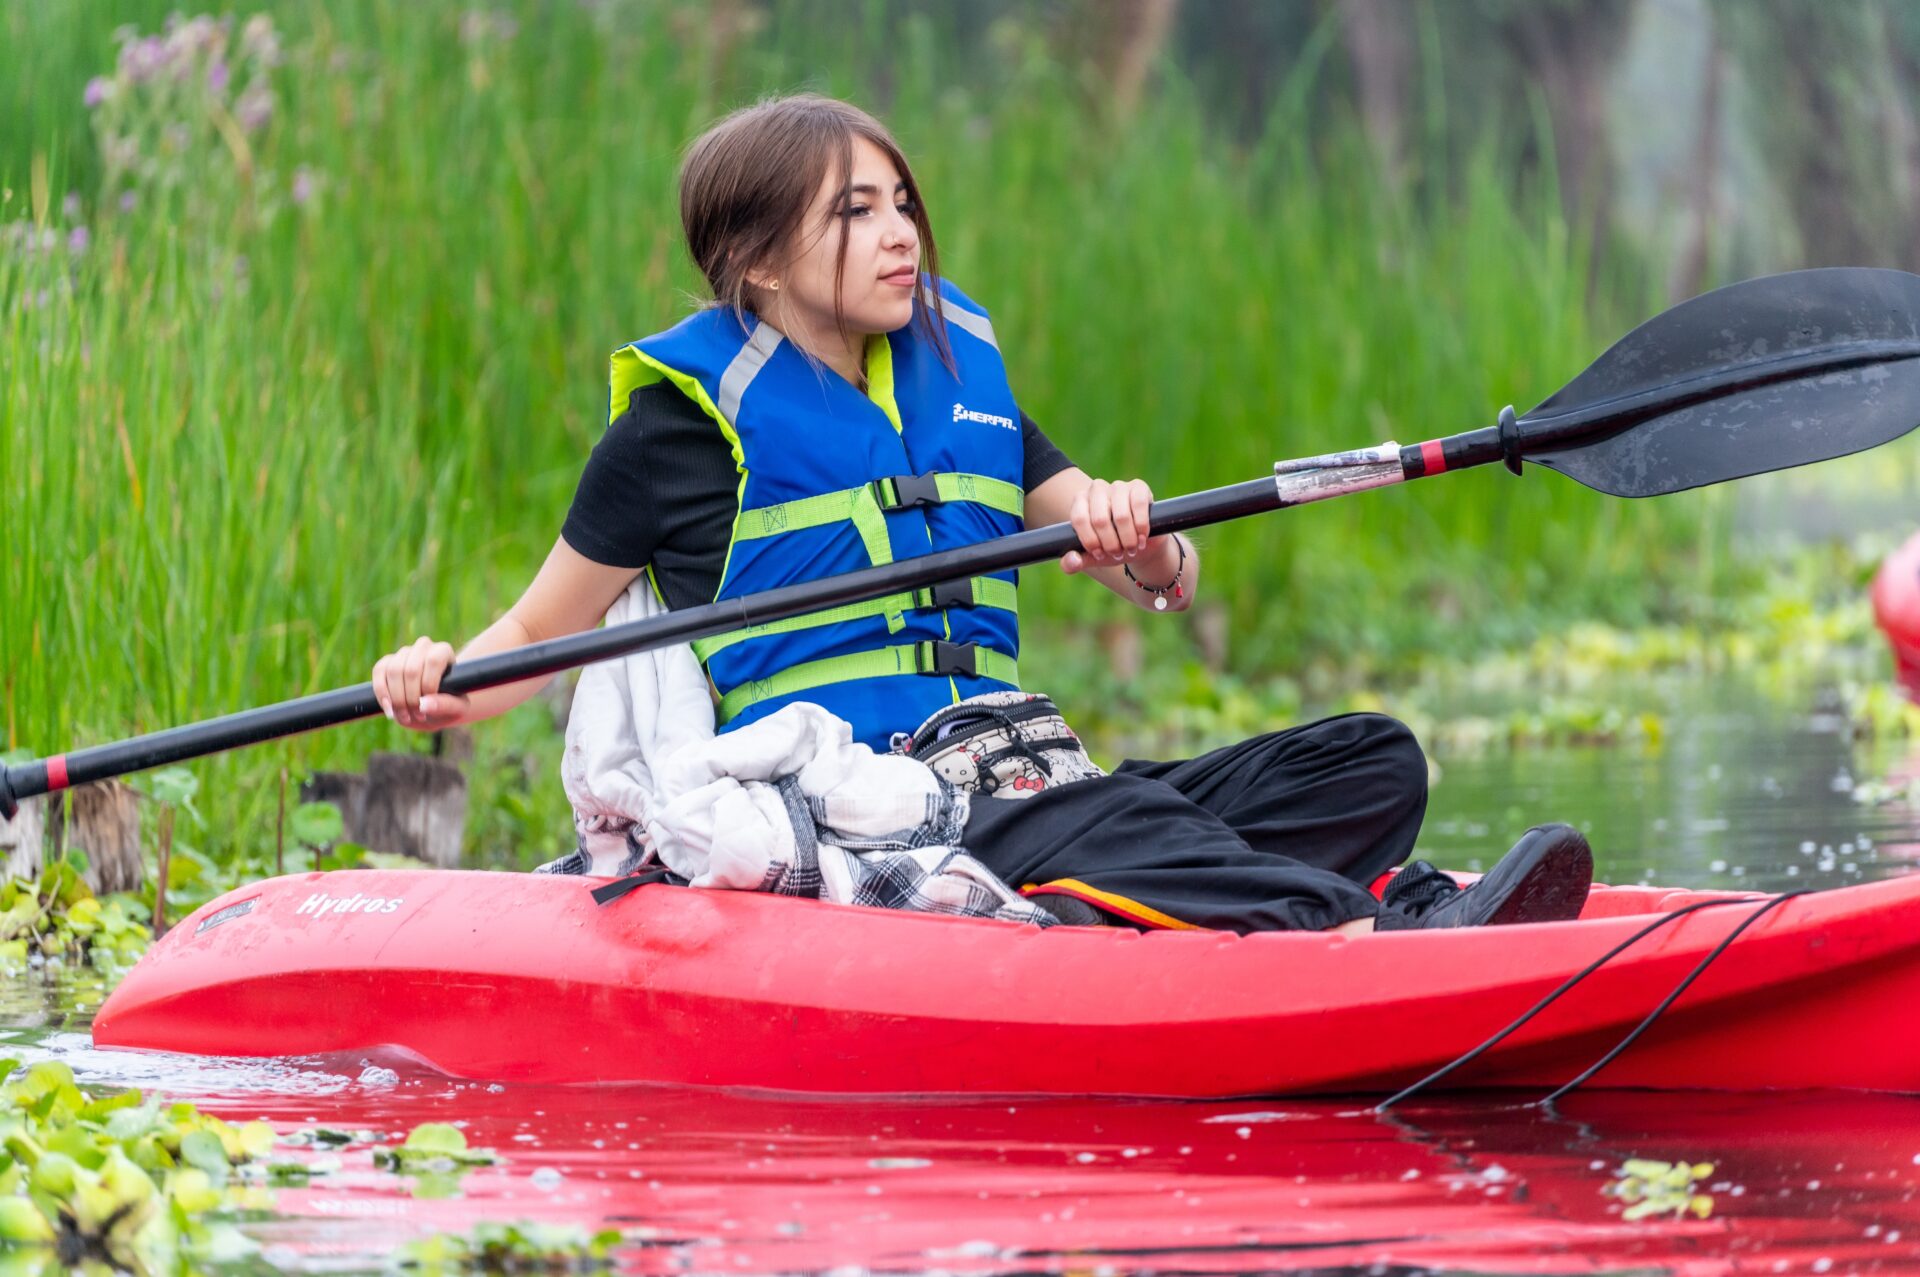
<point>1000,745</point>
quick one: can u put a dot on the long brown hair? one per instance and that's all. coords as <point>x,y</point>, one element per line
<point>748,181</point>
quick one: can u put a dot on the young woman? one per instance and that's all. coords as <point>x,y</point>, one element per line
<point>839,404</point>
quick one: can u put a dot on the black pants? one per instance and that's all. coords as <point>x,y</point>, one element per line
<point>1281,832</point>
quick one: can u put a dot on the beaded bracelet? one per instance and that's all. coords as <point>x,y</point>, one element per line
<point>1172,587</point>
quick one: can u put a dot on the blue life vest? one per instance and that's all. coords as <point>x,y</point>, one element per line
<point>832,480</point>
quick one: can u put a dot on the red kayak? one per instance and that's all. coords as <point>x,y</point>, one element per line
<point>1896,606</point>
<point>518,977</point>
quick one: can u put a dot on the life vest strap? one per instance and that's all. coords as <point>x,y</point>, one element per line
<point>905,491</point>
<point>865,505</point>
<point>981,591</point>
<point>898,492</point>
<point>932,658</point>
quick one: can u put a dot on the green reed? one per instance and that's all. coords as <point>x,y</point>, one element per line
<point>328,384</point>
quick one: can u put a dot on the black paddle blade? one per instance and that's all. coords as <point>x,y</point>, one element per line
<point>1763,375</point>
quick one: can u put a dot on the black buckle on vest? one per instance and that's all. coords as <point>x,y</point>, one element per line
<point>942,657</point>
<point>904,491</point>
<point>946,594</point>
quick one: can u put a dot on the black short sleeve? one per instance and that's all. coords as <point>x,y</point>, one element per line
<point>659,489</point>
<point>1044,460</point>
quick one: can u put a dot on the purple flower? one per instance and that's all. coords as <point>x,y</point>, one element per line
<point>144,58</point>
<point>99,89</point>
<point>78,239</point>
<point>127,201</point>
<point>258,40</point>
<point>217,75</point>
<point>70,206</point>
<point>254,108</point>
<point>302,184</point>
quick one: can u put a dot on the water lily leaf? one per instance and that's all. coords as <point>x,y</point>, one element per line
<point>438,1185</point>
<point>193,1190</point>
<point>106,1107</point>
<point>316,824</point>
<point>172,785</point>
<point>23,1224</point>
<point>437,1137</point>
<point>204,1150</point>
<point>256,1139</point>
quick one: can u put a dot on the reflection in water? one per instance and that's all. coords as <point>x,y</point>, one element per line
<point>714,1182</point>
<point>1745,792</point>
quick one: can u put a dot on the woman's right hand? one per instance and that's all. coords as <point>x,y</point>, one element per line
<point>407,684</point>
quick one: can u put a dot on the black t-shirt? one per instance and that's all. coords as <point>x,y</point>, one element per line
<point>660,488</point>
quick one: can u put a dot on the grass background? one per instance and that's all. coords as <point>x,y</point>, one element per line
<point>307,391</point>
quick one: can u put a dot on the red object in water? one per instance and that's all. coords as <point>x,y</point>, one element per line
<point>519,977</point>
<point>1896,605</point>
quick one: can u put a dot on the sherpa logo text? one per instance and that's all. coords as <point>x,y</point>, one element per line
<point>318,904</point>
<point>961,413</point>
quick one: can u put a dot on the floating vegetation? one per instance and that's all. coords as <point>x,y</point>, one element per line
<point>512,1248</point>
<point>436,1155</point>
<point>56,917</point>
<point>1879,793</point>
<point>119,1180</point>
<point>1878,711</point>
<point>1660,1188</point>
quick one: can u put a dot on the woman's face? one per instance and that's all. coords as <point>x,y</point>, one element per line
<point>883,255</point>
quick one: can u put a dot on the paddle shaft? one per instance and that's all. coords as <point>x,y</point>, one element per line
<point>1761,375</point>
<point>1295,483</point>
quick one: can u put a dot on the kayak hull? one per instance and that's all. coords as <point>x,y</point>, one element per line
<point>516,977</point>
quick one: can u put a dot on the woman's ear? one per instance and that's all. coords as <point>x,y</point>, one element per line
<point>763,279</point>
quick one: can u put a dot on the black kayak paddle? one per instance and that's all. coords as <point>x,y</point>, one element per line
<point>1762,375</point>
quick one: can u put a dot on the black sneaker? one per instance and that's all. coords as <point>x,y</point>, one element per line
<point>1543,879</point>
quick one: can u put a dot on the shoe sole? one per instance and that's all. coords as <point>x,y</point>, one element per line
<point>1554,889</point>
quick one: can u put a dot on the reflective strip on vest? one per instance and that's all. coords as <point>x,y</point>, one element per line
<point>987,591</point>
<point>979,325</point>
<point>907,659</point>
<point>745,367</point>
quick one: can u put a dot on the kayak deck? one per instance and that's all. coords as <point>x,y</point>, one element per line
<point>517,977</point>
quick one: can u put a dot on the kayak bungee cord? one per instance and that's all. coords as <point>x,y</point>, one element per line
<point>1447,1069</point>
<point>1678,989</point>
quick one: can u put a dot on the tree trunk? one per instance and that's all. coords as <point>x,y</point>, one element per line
<point>1568,50</point>
<point>102,820</point>
<point>1140,29</point>
<point>1696,252</point>
<point>1379,45</point>
<point>405,803</point>
<point>1816,72</point>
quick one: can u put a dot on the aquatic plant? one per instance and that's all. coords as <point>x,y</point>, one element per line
<point>316,827</point>
<point>116,1179</point>
<point>512,1248</point>
<point>54,916</point>
<point>1878,710</point>
<point>436,1155</point>
<point>1660,1188</point>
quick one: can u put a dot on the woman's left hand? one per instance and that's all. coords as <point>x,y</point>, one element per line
<point>1111,519</point>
